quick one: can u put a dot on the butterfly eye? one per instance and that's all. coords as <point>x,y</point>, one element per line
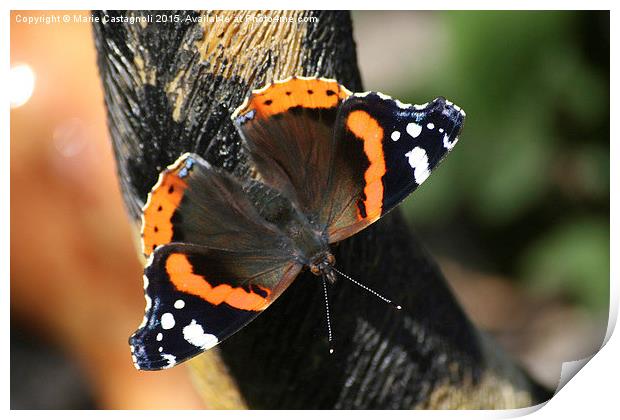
<point>331,260</point>
<point>315,270</point>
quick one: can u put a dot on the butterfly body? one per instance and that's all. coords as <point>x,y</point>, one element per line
<point>326,164</point>
<point>306,239</point>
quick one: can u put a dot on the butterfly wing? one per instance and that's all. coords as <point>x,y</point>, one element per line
<point>385,149</point>
<point>194,202</point>
<point>287,129</point>
<point>345,159</point>
<point>214,263</point>
<point>197,297</point>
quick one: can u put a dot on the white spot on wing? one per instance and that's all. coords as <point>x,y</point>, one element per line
<point>430,126</point>
<point>179,304</point>
<point>418,160</point>
<point>167,321</point>
<point>449,144</point>
<point>171,360</point>
<point>159,337</point>
<point>195,335</point>
<point>395,135</point>
<point>414,129</point>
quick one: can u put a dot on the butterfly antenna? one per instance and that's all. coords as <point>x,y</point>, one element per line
<point>329,324</point>
<point>368,289</point>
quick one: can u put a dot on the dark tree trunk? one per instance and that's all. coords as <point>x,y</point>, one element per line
<point>170,88</point>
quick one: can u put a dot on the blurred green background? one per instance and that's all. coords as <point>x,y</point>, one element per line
<point>526,192</point>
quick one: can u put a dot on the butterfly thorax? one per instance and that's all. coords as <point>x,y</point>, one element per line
<point>306,238</point>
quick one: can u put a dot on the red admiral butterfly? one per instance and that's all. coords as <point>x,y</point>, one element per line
<point>326,164</point>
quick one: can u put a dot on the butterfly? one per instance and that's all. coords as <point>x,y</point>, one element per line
<point>326,163</point>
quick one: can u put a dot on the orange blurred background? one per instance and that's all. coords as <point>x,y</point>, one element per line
<point>75,275</point>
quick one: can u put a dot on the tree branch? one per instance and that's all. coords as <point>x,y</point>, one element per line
<point>170,88</point>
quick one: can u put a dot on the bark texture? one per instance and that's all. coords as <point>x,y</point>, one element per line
<point>170,88</point>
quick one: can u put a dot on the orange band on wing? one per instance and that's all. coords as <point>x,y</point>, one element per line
<point>296,91</point>
<point>367,129</point>
<point>182,276</point>
<point>163,201</point>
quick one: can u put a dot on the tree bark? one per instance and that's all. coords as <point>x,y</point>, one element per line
<point>170,88</point>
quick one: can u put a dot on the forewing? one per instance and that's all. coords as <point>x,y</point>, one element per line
<point>197,297</point>
<point>385,150</point>
<point>196,203</point>
<point>287,128</point>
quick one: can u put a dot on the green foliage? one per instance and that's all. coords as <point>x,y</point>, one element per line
<point>572,258</point>
<point>531,173</point>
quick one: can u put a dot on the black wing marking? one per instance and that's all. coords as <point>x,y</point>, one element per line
<point>197,297</point>
<point>385,150</point>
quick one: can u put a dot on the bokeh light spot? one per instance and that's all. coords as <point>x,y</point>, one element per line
<point>21,84</point>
